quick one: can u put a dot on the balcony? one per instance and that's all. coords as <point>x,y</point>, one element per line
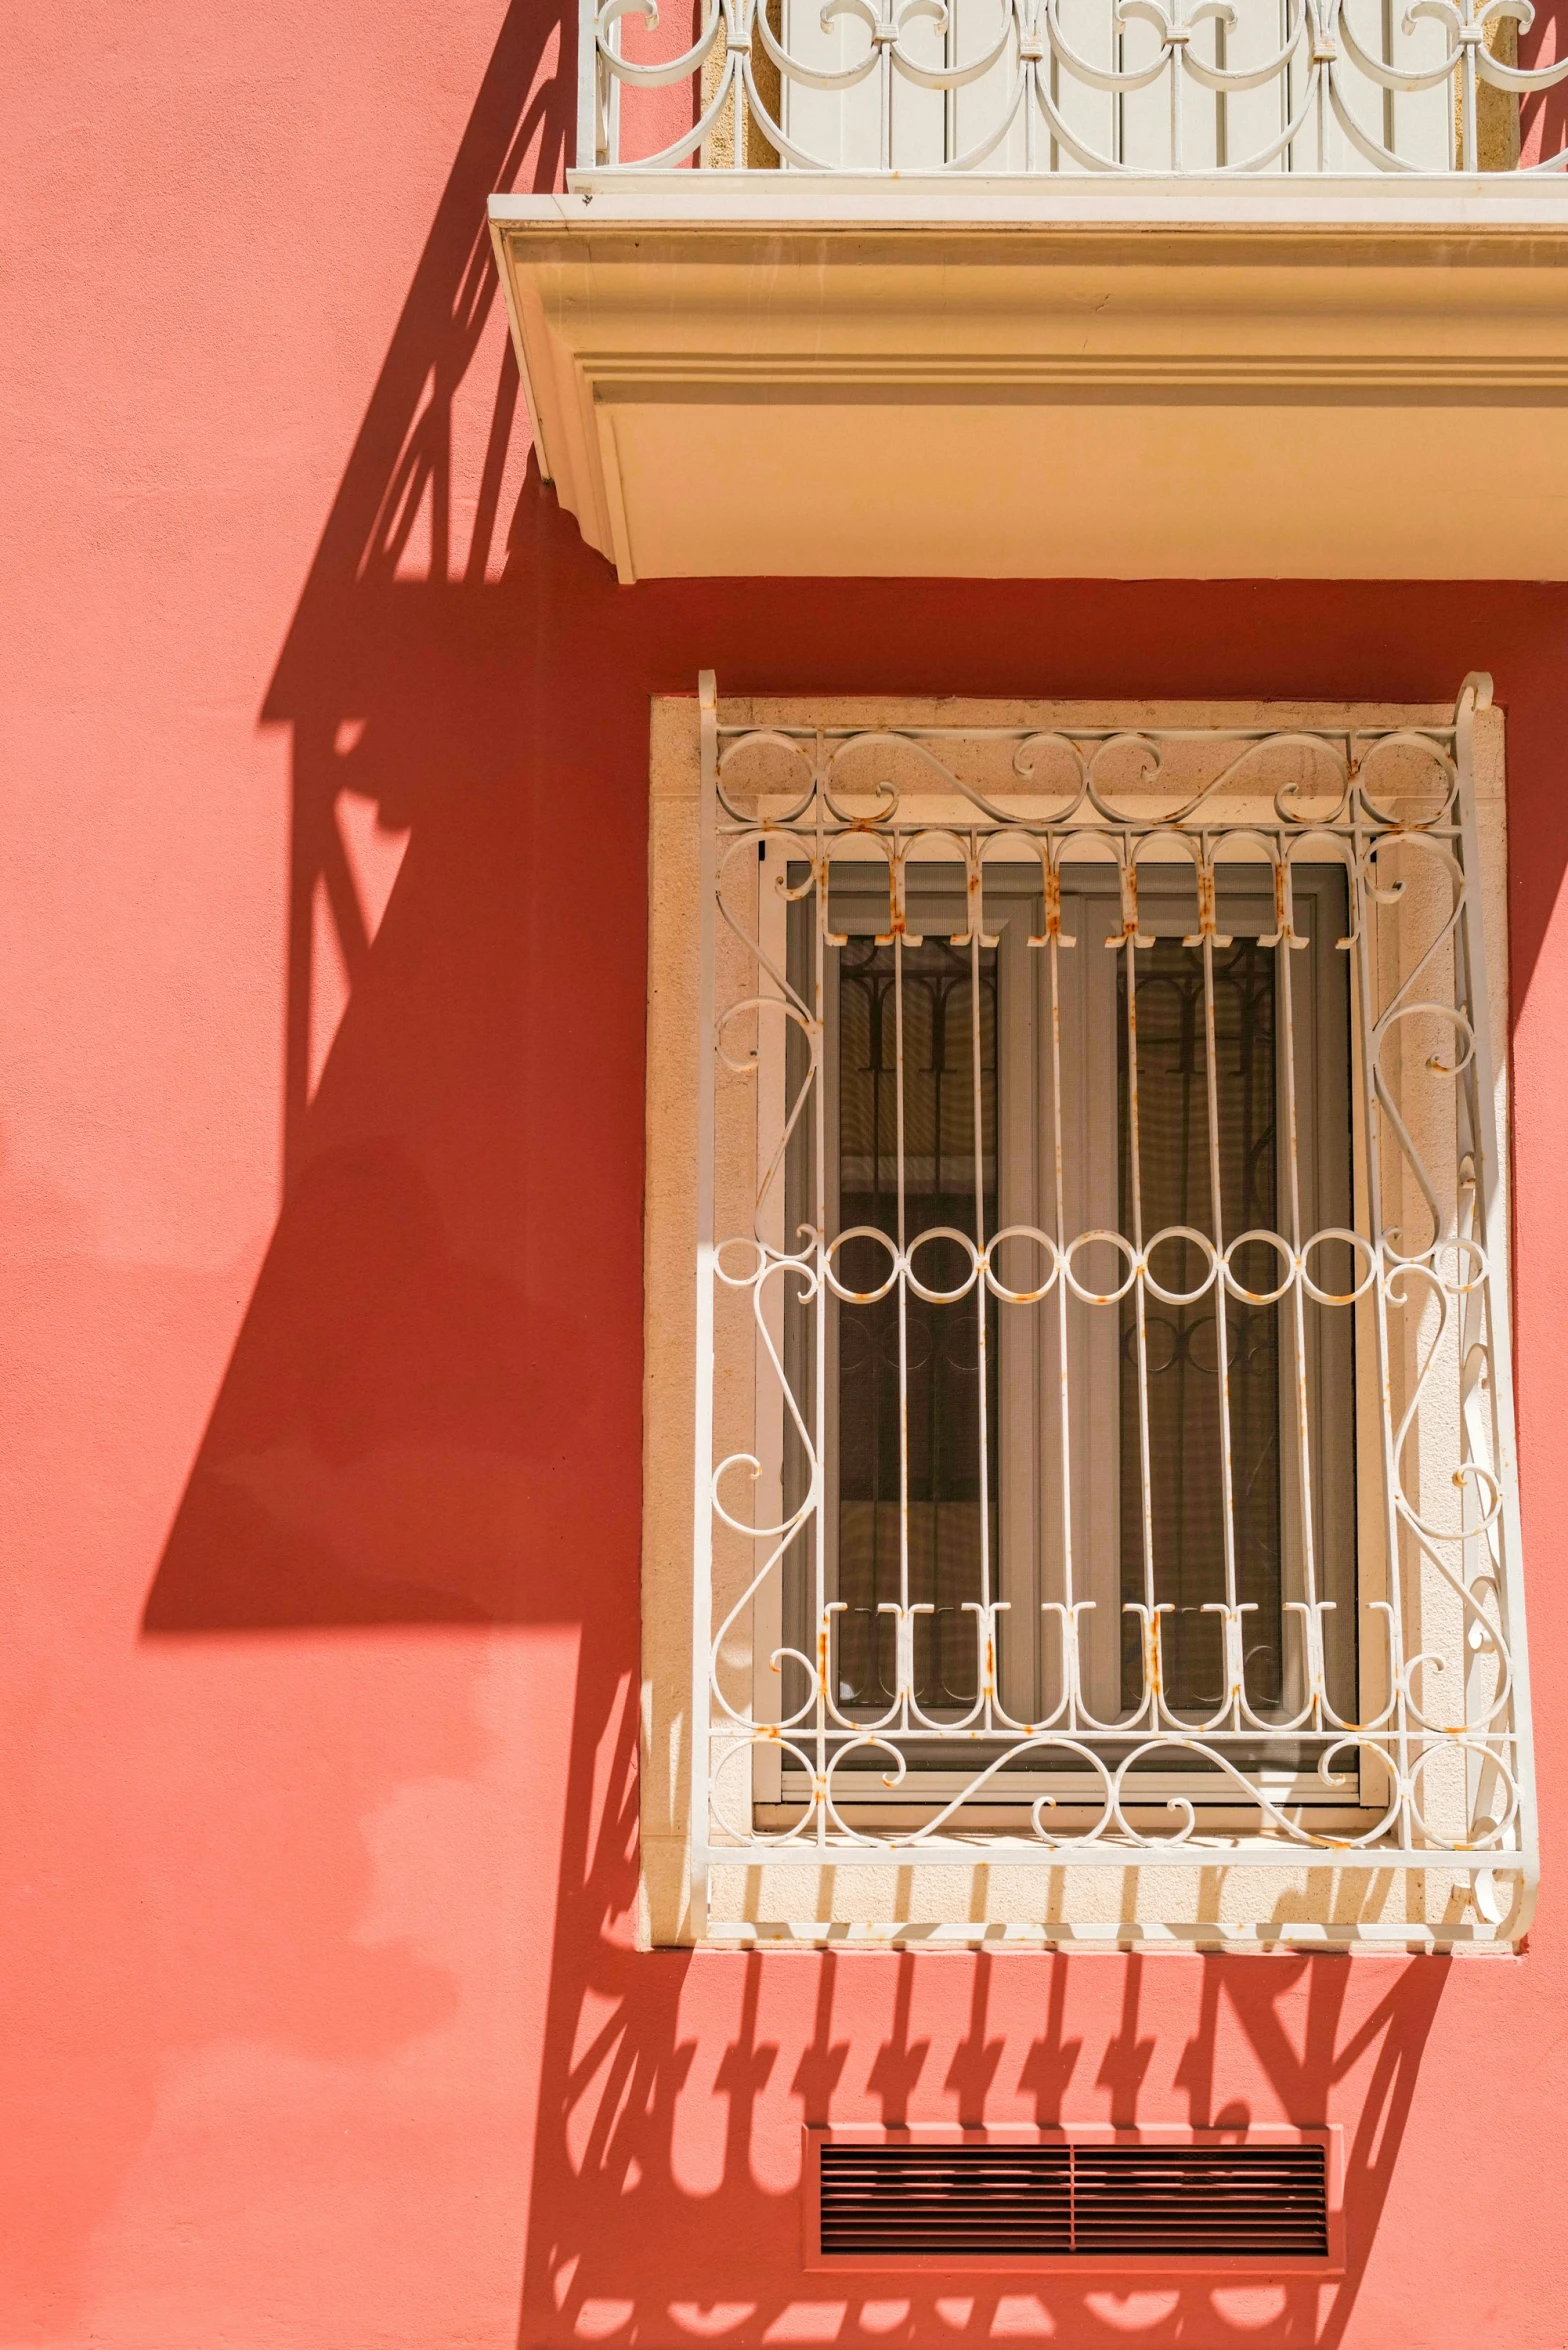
<point>1076,287</point>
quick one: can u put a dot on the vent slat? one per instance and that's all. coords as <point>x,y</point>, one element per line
<point>1173,2202</point>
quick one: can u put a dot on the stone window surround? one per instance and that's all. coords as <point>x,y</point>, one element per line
<point>877,1903</point>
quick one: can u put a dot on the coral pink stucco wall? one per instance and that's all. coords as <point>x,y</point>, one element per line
<point>322,2029</point>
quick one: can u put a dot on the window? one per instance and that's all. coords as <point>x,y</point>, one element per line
<point>926,1044</point>
<point>1103,1428</point>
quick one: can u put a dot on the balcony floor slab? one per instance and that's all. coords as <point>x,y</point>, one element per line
<point>1076,378</point>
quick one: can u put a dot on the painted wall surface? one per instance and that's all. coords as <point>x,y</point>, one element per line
<point>322,848</point>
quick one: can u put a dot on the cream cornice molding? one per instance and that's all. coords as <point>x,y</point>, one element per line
<point>1079,378</point>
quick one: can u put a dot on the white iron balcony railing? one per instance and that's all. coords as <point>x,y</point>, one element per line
<point>1040,87</point>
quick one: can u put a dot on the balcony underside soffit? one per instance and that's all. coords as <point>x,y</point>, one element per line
<point>770,374</point>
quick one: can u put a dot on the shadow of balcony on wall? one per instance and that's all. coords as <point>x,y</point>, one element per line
<point>380,1437</point>
<point>466,692</point>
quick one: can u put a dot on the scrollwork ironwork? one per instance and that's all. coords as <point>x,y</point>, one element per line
<point>1223,88</point>
<point>1429,1762</point>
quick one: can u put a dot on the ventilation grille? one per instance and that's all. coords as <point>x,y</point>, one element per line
<point>1024,2202</point>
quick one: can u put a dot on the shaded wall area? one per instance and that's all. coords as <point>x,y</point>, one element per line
<point>320,1087</point>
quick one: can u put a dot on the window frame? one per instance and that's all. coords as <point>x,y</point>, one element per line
<point>694,1889</point>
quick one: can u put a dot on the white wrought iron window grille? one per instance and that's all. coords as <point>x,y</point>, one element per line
<point>1104,1421</point>
<point>1224,88</point>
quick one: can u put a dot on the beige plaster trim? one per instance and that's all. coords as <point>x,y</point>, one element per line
<point>1080,379</point>
<point>850,202</point>
<point>879,1902</point>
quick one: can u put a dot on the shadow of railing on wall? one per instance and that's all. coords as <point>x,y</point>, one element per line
<point>367,1456</point>
<point>667,2199</point>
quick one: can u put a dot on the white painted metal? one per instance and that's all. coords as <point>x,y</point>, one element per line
<point>1188,88</point>
<point>1430,1766</point>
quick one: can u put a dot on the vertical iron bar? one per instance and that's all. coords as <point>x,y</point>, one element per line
<point>1388,59</point>
<point>950,97</point>
<point>1221,1328</point>
<point>1469,159</point>
<point>737,61</point>
<point>1154,1693</point>
<point>1174,55</point>
<point>896,924</point>
<point>589,93</point>
<point>612,93</point>
<point>976,925</point>
<point>1287,85</point>
<point>1283,946</point>
<point>702,1491</point>
<point>823,1621</point>
<point>1071,1660</point>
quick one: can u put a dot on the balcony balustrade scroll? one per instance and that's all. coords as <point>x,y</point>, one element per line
<point>1188,88</point>
<point>1421,1759</point>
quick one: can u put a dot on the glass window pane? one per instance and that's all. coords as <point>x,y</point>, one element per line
<point>942,1341</point>
<point>1175,1135</point>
